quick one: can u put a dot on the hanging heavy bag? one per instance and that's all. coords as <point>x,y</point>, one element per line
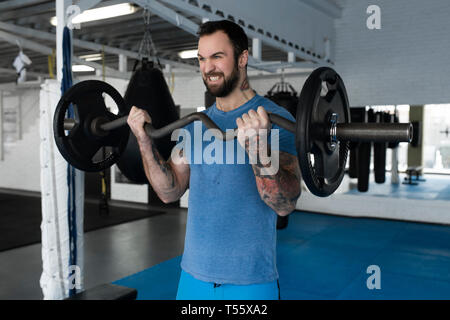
<point>364,151</point>
<point>284,95</point>
<point>393,119</point>
<point>379,154</point>
<point>147,90</point>
<point>286,100</point>
<point>357,115</point>
<point>416,140</point>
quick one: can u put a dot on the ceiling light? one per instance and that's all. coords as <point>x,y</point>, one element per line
<point>101,13</point>
<point>92,57</point>
<point>82,68</point>
<point>188,54</point>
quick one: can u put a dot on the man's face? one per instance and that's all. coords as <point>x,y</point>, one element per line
<point>219,69</point>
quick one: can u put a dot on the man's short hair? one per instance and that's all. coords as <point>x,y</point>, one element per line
<point>234,32</point>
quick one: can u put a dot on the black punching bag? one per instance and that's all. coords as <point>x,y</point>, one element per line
<point>364,156</point>
<point>358,115</point>
<point>147,90</point>
<point>379,154</point>
<point>287,100</point>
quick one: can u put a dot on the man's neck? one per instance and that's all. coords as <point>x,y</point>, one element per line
<point>239,96</point>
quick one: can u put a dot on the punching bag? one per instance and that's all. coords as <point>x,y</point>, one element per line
<point>147,90</point>
<point>285,99</point>
<point>379,154</point>
<point>358,115</point>
<point>364,153</point>
<point>284,95</point>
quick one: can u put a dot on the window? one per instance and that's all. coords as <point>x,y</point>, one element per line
<point>436,138</point>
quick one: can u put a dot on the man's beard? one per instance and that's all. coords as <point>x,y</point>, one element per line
<point>229,84</point>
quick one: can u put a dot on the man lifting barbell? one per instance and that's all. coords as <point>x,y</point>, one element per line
<point>230,235</point>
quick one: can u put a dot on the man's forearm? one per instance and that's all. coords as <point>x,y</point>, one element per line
<point>158,172</point>
<point>281,189</point>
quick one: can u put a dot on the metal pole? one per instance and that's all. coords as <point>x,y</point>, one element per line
<point>1,125</point>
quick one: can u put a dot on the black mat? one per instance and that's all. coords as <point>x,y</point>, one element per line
<point>20,218</point>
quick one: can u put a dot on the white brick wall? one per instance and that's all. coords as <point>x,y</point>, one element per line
<point>189,90</point>
<point>407,61</point>
<point>20,168</point>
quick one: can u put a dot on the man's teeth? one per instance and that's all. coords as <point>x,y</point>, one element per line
<point>214,78</point>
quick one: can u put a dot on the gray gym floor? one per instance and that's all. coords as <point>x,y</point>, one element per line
<point>110,254</point>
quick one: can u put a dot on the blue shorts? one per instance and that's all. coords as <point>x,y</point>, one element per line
<point>190,288</point>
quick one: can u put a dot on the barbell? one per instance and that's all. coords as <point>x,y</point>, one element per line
<point>322,129</point>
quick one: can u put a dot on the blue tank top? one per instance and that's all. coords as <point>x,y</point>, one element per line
<point>230,231</point>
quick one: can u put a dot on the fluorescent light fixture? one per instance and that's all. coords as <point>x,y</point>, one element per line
<point>81,68</point>
<point>92,57</point>
<point>188,54</point>
<point>101,13</point>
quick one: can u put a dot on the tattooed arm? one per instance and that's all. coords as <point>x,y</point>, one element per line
<point>278,183</point>
<point>170,178</point>
<point>279,190</point>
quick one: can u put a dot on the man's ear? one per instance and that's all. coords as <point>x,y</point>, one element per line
<point>243,59</point>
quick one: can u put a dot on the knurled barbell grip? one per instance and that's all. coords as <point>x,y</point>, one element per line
<point>374,132</point>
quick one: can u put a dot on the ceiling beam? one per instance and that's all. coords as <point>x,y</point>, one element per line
<point>169,15</point>
<point>184,23</point>
<point>325,6</point>
<point>274,66</point>
<point>14,4</point>
<point>37,47</point>
<point>35,34</point>
<point>267,34</point>
<point>39,9</point>
<point>86,4</point>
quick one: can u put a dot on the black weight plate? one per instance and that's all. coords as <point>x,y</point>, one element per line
<point>322,167</point>
<point>80,145</point>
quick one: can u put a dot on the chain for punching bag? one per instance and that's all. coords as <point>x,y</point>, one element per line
<point>284,94</point>
<point>146,47</point>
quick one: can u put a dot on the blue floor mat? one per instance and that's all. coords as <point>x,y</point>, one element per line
<point>159,282</point>
<point>326,257</point>
<point>435,187</point>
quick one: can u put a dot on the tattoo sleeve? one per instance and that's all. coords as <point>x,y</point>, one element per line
<point>158,172</point>
<point>280,190</point>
